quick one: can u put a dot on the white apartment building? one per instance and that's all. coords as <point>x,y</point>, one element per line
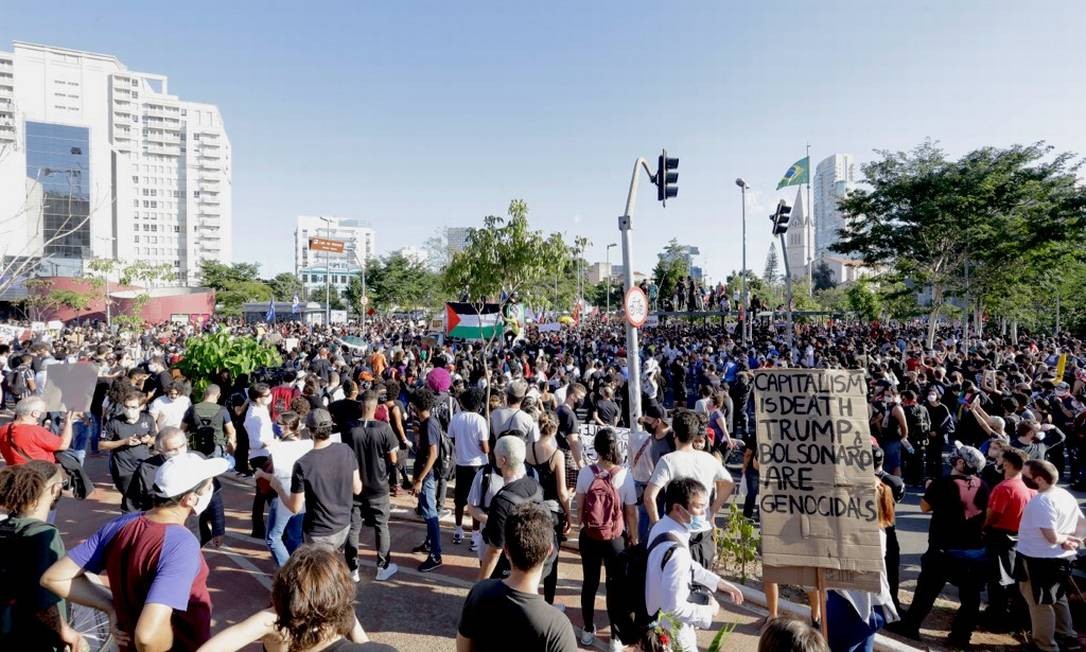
<point>107,153</point>
<point>359,245</point>
<point>834,177</point>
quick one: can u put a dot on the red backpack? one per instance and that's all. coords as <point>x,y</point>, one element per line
<point>602,507</point>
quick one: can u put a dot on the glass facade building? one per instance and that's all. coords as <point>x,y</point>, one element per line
<point>58,161</point>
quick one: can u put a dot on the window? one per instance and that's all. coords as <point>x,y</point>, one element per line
<point>146,227</point>
<point>195,193</point>
<point>135,179</point>
<point>146,204</point>
<point>136,239</point>
<point>177,229</point>
<point>136,203</point>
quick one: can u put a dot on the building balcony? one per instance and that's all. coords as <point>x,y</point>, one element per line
<point>209,200</point>
<point>163,150</point>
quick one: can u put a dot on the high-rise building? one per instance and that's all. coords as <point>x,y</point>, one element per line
<point>686,252</point>
<point>456,238</point>
<point>359,245</point>
<point>98,161</point>
<point>834,177</point>
<point>798,239</point>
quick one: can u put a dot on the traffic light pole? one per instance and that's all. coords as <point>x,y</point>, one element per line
<point>633,359</point>
<point>788,303</point>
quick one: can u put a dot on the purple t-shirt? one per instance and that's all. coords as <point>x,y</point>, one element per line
<point>148,562</point>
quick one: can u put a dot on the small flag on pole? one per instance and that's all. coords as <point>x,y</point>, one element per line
<point>295,305</point>
<point>796,175</point>
<point>270,317</point>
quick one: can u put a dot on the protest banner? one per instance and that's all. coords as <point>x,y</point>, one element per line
<point>587,436</point>
<point>69,386</point>
<point>817,481</point>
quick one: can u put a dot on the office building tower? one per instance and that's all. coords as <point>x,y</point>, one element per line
<point>99,161</point>
<point>834,177</point>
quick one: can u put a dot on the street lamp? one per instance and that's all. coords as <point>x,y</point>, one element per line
<point>746,307</point>
<point>613,244</point>
<point>327,274</point>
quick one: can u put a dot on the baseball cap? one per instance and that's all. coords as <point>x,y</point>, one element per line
<point>181,474</point>
<point>318,418</point>
<point>517,388</point>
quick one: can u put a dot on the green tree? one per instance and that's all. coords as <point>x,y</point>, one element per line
<point>395,282</point>
<point>925,216</point>
<point>232,299</point>
<point>43,299</point>
<point>772,274</point>
<point>220,276</point>
<point>863,301</point>
<point>672,266</point>
<point>285,286</point>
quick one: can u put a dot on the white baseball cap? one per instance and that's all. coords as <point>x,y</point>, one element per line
<point>181,474</point>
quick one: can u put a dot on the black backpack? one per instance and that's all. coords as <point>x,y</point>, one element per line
<point>13,572</point>
<point>17,381</point>
<point>537,497</point>
<point>626,588</point>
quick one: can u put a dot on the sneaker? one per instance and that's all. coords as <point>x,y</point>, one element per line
<point>386,572</point>
<point>444,512</point>
<point>354,576</point>
<point>423,547</point>
<point>430,564</point>
<point>474,547</point>
<point>615,645</point>
<point>458,536</point>
<point>588,637</point>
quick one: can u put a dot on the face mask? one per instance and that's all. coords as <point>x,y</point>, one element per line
<point>1030,482</point>
<point>132,414</point>
<point>202,501</point>
<point>932,398</point>
<point>697,522</point>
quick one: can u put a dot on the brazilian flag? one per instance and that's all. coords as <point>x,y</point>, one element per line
<point>798,174</point>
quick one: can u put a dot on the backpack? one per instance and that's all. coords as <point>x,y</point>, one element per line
<point>602,507</point>
<point>917,420</point>
<point>13,573</point>
<point>446,457</point>
<point>281,399</point>
<point>626,588</point>
<point>203,439</point>
<point>537,497</point>
<point>19,382</point>
<point>489,471</point>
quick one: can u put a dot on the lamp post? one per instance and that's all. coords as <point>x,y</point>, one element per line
<point>327,275</point>
<point>613,244</point>
<point>743,275</point>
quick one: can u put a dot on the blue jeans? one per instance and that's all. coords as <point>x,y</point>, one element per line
<point>428,509</point>
<point>848,633</point>
<point>284,533</point>
<point>892,460</point>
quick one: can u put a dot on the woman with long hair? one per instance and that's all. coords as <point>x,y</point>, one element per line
<point>549,463</point>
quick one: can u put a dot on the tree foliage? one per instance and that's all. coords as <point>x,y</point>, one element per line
<point>672,266</point>
<point>925,217</point>
<point>395,282</point>
<point>822,276</point>
<point>772,274</point>
<point>286,286</point>
<point>206,355</point>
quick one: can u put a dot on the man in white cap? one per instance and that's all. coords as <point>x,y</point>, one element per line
<point>156,571</point>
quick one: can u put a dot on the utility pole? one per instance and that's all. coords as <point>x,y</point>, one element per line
<point>327,275</point>
<point>745,306</point>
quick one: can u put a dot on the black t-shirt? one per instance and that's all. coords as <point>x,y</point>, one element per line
<point>343,645</point>
<point>607,410</point>
<point>526,489</point>
<point>126,458</point>
<point>322,368</point>
<point>497,617</point>
<point>343,412</point>
<point>950,527</point>
<point>568,425</point>
<point>372,441</point>
<point>326,476</point>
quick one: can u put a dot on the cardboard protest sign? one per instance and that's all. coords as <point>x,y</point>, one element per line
<point>817,479</point>
<point>587,436</point>
<point>69,386</point>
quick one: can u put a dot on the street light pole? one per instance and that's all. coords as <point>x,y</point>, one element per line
<point>327,275</point>
<point>633,359</point>
<point>743,275</point>
<point>613,244</point>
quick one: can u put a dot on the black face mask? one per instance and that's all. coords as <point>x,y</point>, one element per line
<point>1030,482</point>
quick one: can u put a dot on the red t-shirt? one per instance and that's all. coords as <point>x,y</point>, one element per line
<point>151,562</point>
<point>31,440</point>
<point>1007,502</point>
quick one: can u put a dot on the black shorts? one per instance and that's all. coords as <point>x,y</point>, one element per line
<point>465,475</point>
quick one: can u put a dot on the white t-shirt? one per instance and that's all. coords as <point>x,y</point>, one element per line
<point>699,465</point>
<point>172,412</point>
<point>284,454</point>
<point>701,406</point>
<point>1055,509</point>
<point>468,430</point>
<point>258,425</point>
<point>504,419</point>
<point>620,478</point>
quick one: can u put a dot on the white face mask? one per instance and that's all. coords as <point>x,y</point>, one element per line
<point>202,501</point>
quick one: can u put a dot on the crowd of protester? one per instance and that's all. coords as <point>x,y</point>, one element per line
<point>532,436</point>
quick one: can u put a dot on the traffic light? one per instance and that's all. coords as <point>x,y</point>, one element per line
<point>780,218</point>
<point>666,179</point>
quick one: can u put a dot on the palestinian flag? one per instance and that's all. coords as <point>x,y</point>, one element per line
<point>463,320</point>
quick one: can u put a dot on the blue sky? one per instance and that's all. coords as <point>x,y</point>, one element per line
<point>420,115</point>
